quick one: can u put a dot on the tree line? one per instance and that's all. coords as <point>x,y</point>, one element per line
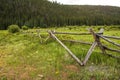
<point>43,13</point>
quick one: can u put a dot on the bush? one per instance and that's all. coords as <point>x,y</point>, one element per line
<point>13,28</point>
<point>24,27</point>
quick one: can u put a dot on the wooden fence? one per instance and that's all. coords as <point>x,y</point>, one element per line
<point>96,42</point>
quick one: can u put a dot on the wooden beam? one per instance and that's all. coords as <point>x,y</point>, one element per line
<point>39,35</point>
<point>88,43</point>
<point>72,33</point>
<point>94,34</point>
<point>89,52</point>
<point>112,37</point>
<point>76,41</point>
<point>65,47</point>
<point>47,38</point>
<point>97,39</point>
<point>110,55</point>
<point>110,49</point>
<point>102,47</point>
<point>97,42</point>
<point>108,40</point>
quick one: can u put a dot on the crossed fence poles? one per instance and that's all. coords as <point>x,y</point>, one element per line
<point>97,42</point>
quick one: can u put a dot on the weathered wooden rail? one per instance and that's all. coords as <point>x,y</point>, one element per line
<point>73,33</point>
<point>97,42</point>
<point>67,49</point>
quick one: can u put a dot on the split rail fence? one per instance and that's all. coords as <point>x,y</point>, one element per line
<point>97,42</point>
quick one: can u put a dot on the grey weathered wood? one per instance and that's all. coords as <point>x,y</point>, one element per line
<point>112,37</point>
<point>102,47</point>
<point>89,52</point>
<point>73,33</point>
<point>110,55</point>
<point>47,38</point>
<point>110,49</point>
<point>108,40</point>
<point>39,35</point>
<point>76,41</point>
<point>97,39</point>
<point>88,43</point>
<point>65,47</point>
<point>94,34</point>
<point>97,42</point>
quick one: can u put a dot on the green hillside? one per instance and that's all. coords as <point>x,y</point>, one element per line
<point>42,13</point>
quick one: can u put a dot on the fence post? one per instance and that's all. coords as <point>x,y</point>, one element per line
<point>96,42</point>
<point>65,47</point>
<point>97,39</point>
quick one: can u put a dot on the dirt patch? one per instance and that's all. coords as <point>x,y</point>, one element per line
<point>24,76</point>
<point>17,73</point>
<point>64,75</point>
<point>72,68</point>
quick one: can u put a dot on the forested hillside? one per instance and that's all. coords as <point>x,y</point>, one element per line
<point>42,13</point>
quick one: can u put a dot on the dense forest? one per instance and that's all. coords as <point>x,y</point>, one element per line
<point>43,13</point>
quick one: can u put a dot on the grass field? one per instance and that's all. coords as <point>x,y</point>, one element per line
<point>24,57</point>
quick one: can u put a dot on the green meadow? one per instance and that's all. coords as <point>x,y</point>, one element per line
<point>25,56</point>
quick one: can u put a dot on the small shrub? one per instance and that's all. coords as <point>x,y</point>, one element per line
<point>13,28</point>
<point>24,27</point>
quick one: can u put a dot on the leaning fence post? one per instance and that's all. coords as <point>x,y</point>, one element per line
<point>95,43</point>
<point>89,52</point>
<point>97,39</point>
<point>65,47</point>
<point>38,32</point>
